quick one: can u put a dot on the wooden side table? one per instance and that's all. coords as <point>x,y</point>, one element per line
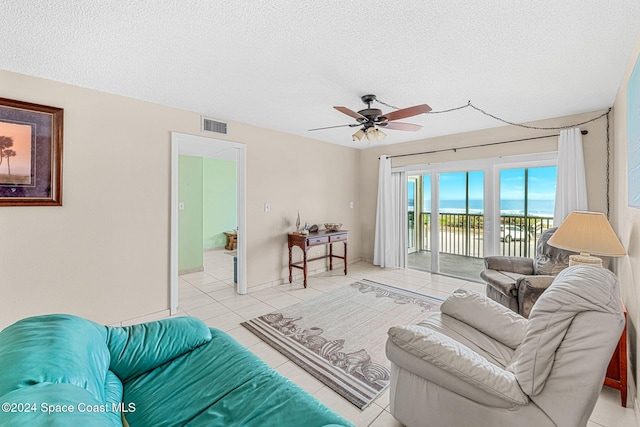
<point>307,241</point>
<point>617,371</point>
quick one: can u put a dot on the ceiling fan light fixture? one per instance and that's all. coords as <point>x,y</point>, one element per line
<point>375,134</point>
<point>358,135</point>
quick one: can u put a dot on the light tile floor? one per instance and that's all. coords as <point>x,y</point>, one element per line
<point>211,296</point>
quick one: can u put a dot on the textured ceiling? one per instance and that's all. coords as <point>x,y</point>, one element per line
<point>284,64</point>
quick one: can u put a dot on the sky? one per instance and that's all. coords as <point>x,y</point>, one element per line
<point>21,135</point>
<point>542,185</point>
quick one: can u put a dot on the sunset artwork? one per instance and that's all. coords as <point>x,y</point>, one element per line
<point>15,153</point>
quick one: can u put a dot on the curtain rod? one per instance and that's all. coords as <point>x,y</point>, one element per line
<point>584,132</point>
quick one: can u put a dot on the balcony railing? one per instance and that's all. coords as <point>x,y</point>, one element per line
<point>462,234</point>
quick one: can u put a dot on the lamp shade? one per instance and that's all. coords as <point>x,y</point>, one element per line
<point>587,232</point>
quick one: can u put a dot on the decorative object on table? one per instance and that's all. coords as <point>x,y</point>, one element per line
<point>30,154</point>
<point>313,228</point>
<point>298,222</point>
<point>339,338</point>
<point>332,226</point>
<point>587,233</point>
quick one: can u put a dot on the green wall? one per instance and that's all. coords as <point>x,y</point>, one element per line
<point>190,185</point>
<point>208,189</point>
<point>220,201</point>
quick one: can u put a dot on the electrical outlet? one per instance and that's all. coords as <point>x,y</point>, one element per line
<point>351,205</point>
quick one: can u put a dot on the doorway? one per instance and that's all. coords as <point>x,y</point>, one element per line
<point>199,146</point>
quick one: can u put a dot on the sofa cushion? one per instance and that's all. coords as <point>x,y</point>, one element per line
<point>503,281</point>
<point>574,291</point>
<point>140,348</point>
<point>221,384</point>
<point>56,349</point>
<point>58,405</point>
<point>487,316</point>
<point>460,361</point>
<point>549,260</point>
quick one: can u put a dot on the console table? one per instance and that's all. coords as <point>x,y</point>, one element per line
<point>319,238</point>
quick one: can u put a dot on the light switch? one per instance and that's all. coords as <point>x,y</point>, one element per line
<point>267,207</point>
<point>351,205</point>
<point>181,206</point>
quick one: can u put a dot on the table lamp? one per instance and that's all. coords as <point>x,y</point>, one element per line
<point>587,233</point>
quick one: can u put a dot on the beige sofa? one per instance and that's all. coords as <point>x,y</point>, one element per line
<point>478,363</point>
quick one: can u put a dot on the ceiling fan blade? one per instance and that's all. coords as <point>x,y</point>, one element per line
<point>338,126</point>
<point>402,126</point>
<point>408,112</point>
<point>351,113</point>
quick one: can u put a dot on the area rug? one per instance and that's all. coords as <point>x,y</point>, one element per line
<point>340,337</point>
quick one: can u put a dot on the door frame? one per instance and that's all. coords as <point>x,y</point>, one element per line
<point>179,140</point>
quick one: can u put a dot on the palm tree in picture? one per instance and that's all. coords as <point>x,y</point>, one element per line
<point>9,154</point>
<point>5,142</point>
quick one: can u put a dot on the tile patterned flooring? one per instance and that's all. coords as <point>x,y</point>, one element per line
<point>211,296</point>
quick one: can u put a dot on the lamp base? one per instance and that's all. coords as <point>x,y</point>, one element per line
<point>585,259</point>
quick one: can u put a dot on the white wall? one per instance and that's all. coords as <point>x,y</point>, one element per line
<point>104,254</point>
<point>626,220</point>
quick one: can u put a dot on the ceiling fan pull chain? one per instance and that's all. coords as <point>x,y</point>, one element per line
<point>387,105</point>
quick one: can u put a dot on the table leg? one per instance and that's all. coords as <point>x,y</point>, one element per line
<point>290,262</point>
<point>304,265</point>
<point>345,258</point>
<point>330,256</point>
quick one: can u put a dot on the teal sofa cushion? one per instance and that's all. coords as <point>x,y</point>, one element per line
<point>54,370</point>
<point>140,348</point>
<point>222,384</point>
<point>56,405</point>
<point>62,370</point>
<point>55,348</point>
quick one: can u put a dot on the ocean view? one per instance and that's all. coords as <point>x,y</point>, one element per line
<point>542,208</point>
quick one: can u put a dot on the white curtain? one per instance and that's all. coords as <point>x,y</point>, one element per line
<point>390,245</point>
<point>571,183</point>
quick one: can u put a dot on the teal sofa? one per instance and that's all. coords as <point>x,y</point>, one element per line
<point>62,370</point>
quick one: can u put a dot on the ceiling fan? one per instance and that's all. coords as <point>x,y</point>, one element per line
<point>372,119</point>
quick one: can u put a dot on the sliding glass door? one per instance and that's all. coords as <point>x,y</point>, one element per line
<point>412,200</point>
<point>460,223</point>
<point>449,218</point>
<point>460,212</point>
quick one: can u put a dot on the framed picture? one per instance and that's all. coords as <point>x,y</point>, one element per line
<point>30,154</point>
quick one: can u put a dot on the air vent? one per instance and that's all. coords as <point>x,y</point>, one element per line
<point>210,125</point>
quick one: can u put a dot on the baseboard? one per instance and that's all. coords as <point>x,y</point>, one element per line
<point>298,276</point>
<point>158,315</point>
<point>190,270</point>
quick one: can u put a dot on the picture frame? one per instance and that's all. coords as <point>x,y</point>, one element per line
<point>30,154</point>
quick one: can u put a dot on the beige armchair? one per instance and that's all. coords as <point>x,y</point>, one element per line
<point>517,282</point>
<point>477,363</point>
